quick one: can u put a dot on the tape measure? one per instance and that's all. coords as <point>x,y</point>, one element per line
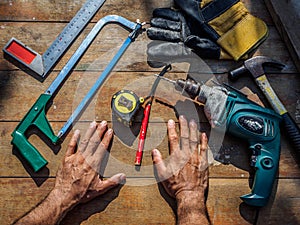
<point>125,104</point>
<point>39,66</point>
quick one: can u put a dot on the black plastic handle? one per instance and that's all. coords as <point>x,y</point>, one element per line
<point>235,74</point>
<point>293,131</point>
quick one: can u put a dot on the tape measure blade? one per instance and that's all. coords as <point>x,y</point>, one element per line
<point>70,33</point>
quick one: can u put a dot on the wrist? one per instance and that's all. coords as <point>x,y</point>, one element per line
<point>50,211</point>
<point>191,208</point>
<point>61,201</point>
<point>191,199</point>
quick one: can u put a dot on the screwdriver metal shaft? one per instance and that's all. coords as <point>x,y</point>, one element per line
<point>166,79</point>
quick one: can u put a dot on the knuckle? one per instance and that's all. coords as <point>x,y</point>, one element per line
<point>72,145</point>
<point>94,142</point>
<point>84,142</point>
<point>173,137</point>
<point>204,146</point>
<point>103,145</point>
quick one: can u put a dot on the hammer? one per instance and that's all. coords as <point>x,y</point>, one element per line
<point>255,66</point>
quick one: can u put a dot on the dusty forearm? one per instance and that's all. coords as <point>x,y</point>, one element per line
<point>50,211</point>
<point>191,209</point>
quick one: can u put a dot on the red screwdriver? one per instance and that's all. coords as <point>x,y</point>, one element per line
<point>145,121</point>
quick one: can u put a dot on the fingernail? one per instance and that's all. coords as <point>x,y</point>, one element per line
<point>77,132</point>
<point>154,152</point>
<point>110,131</point>
<point>93,124</point>
<point>122,178</point>
<point>171,123</point>
<point>193,122</point>
<point>182,117</point>
<point>103,123</point>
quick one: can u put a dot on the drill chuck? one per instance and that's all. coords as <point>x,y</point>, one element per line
<point>188,86</point>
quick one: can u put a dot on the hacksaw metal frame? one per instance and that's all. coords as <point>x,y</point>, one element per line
<point>36,116</point>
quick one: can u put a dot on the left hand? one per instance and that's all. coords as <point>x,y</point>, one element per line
<point>78,178</point>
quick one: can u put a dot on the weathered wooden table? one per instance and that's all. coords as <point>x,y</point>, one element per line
<point>140,201</point>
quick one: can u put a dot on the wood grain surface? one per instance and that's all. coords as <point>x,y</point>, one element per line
<point>141,200</point>
<point>286,15</point>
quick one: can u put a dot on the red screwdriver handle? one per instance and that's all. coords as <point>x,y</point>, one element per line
<point>143,132</point>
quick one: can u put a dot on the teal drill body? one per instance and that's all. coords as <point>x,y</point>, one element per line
<point>249,121</point>
<point>258,126</point>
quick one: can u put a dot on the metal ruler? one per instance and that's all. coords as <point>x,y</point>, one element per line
<point>39,66</point>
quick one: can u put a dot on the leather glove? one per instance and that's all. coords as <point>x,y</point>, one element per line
<point>175,35</point>
<point>226,22</point>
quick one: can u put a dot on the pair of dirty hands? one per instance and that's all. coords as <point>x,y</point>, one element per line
<point>185,175</point>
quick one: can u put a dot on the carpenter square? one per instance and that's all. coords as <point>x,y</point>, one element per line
<point>39,66</point>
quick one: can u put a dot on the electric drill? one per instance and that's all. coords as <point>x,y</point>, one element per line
<point>230,109</point>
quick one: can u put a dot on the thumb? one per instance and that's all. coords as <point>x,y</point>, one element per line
<point>104,186</point>
<point>203,47</point>
<point>159,164</point>
<point>113,181</point>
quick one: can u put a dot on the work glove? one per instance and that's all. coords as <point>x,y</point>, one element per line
<point>176,40</point>
<point>227,24</point>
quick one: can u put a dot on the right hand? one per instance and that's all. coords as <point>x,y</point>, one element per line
<point>186,175</point>
<point>187,170</point>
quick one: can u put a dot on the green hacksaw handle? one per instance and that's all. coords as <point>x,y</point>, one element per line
<point>35,117</point>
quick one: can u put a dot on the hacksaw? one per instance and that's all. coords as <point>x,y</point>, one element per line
<point>37,114</point>
<point>39,66</point>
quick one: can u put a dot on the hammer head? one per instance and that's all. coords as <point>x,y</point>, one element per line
<point>255,66</point>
